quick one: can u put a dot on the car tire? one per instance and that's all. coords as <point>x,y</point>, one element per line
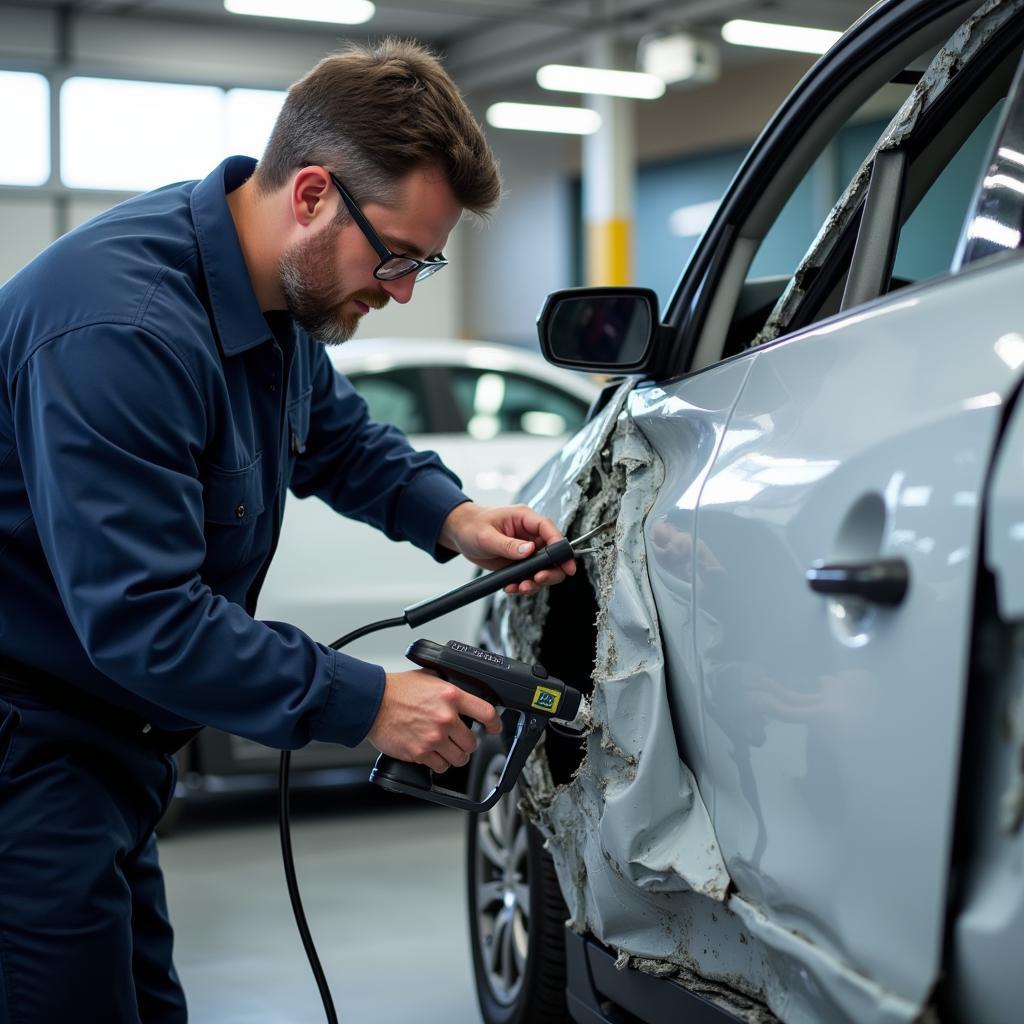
<point>516,911</point>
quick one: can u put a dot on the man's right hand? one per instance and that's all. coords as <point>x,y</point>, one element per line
<point>419,720</point>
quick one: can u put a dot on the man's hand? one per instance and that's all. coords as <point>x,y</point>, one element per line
<point>493,537</point>
<point>419,720</point>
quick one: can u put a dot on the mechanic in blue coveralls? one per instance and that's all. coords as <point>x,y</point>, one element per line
<point>164,381</point>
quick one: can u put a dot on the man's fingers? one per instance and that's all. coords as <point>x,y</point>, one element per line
<point>479,710</point>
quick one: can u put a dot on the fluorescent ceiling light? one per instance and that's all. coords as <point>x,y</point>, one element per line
<point>778,37</point>
<point>341,12</point>
<point>535,117</point>
<point>600,82</point>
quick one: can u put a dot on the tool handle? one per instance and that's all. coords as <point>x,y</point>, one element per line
<point>548,557</point>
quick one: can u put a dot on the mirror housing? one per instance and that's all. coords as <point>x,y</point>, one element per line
<point>603,330</point>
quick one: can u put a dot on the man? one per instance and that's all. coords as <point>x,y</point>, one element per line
<point>164,382</point>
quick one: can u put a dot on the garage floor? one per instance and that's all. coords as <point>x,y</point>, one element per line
<point>381,881</point>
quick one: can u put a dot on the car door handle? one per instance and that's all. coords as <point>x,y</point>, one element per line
<point>884,581</point>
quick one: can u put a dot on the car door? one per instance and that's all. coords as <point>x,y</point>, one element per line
<point>837,548</point>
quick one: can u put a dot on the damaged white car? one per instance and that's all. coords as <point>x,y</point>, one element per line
<point>797,792</point>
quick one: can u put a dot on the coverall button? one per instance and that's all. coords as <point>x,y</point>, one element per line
<point>240,512</point>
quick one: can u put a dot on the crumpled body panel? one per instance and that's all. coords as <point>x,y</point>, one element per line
<point>630,835</point>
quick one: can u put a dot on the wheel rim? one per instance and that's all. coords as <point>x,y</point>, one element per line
<point>502,890</point>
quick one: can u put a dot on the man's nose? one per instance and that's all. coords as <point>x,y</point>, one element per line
<point>400,289</point>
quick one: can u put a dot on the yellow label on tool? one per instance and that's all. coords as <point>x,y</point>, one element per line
<point>546,700</point>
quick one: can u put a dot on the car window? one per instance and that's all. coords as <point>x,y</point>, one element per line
<point>900,218</point>
<point>492,403</point>
<point>394,396</point>
<point>920,142</point>
<point>929,238</point>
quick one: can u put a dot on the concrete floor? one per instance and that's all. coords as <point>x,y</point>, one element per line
<point>382,884</point>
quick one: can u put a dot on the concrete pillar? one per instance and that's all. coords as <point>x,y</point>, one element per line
<point>609,167</point>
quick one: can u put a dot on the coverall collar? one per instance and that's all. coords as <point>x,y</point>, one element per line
<point>236,311</point>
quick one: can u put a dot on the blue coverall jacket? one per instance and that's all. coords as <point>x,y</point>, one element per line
<point>151,421</point>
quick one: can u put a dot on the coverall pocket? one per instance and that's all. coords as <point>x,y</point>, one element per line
<point>9,719</point>
<point>233,501</point>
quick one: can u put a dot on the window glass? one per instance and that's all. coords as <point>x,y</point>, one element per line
<point>134,136</point>
<point>249,116</point>
<point>25,129</point>
<point>493,403</point>
<point>945,154</point>
<point>393,396</point>
<point>929,237</point>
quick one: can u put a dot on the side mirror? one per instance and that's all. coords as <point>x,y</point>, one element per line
<point>608,330</point>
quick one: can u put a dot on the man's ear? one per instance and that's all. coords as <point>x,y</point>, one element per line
<point>311,195</point>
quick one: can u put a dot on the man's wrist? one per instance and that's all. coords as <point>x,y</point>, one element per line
<point>449,535</point>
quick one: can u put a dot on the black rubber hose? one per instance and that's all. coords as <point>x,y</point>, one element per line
<point>284,821</point>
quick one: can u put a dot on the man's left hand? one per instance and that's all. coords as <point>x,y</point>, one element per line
<point>493,537</point>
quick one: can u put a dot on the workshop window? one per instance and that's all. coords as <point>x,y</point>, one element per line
<point>134,136</point>
<point>25,123</point>
<point>249,116</point>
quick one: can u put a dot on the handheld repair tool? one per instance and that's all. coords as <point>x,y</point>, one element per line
<point>505,682</point>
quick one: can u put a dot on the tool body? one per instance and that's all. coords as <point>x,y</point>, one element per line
<point>505,682</point>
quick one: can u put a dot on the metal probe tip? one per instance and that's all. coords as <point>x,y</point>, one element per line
<point>589,534</point>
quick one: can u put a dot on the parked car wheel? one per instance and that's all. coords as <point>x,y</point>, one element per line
<point>516,911</point>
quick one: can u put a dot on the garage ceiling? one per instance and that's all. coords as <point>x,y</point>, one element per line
<point>500,43</point>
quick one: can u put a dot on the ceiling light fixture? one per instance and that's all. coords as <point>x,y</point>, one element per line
<point>633,85</point>
<point>340,12</point>
<point>679,57</point>
<point>536,117</point>
<point>778,37</point>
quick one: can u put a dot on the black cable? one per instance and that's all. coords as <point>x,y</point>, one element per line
<point>549,556</point>
<point>284,820</point>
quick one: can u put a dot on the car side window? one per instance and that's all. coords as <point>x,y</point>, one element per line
<point>900,219</point>
<point>493,403</point>
<point>906,181</point>
<point>929,238</point>
<point>394,396</point>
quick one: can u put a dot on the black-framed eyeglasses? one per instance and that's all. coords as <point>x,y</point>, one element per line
<point>392,265</point>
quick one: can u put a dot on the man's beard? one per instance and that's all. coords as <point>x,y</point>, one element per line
<point>310,283</point>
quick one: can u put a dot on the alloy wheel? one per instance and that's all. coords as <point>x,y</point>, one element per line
<point>502,889</point>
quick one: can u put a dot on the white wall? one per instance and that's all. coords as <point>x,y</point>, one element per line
<point>523,251</point>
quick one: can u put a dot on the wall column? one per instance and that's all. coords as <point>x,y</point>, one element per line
<point>609,168</point>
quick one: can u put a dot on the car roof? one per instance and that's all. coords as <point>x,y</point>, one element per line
<point>377,354</point>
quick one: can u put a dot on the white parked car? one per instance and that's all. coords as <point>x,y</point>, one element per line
<point>799,792</point>
<point>494,414</point>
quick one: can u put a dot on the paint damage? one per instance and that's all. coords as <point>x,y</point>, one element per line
<point>963,46</point>
<point>653,830</point>
<point>636,854</point>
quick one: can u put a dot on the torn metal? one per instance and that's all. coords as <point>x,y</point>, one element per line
<point>962,47</point>
<point>654,831</point>
<point>635,850</point>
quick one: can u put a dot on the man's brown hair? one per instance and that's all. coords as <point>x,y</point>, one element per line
<point>374,113</point>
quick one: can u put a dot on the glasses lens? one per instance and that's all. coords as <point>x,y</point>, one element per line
<point>429,268</point>
<point>396,267</point>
